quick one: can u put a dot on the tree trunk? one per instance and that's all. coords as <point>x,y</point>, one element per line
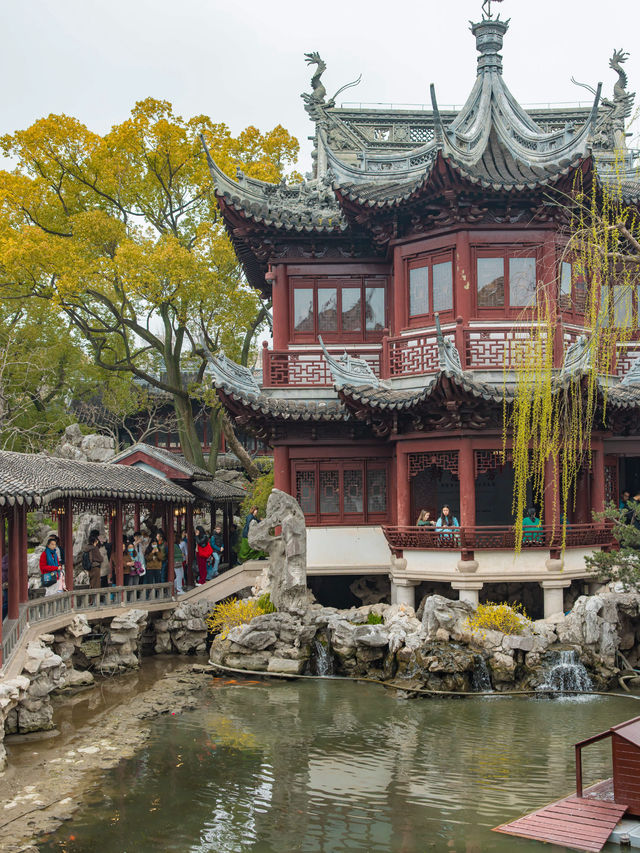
<point>189,441</point>
<point>253,472</point>
<point>216,430</point>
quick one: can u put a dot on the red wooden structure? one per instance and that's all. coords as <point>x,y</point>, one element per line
<point>417,252</point>
<point>625,750</point>
<point>585,821</point>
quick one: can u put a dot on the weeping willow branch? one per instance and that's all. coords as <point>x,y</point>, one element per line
<point>551,413</point>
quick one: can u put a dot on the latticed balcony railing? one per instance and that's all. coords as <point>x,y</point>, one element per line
<point>307,368</point>
<point>401,538</point>
<point>481,348</point>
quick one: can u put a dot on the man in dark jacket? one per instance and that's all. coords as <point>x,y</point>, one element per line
<point>217,543</point>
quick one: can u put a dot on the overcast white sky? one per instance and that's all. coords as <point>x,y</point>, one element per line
<point>242,62</point>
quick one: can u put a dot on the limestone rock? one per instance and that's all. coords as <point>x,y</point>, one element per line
<point>285,666</point>
<point>440,612</point>
<point>371,636</point>
<point>250,638</point>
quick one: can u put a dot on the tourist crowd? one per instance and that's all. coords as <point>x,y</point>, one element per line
<point>145,559</point>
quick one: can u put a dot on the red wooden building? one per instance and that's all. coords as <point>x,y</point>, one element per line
<point>411,216</point>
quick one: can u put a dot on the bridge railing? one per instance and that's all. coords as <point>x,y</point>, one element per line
<point>12,630</point>
<point>78,601</point>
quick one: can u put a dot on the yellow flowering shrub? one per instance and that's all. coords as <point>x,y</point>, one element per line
<point>232,612</point>
<point>507,618</point>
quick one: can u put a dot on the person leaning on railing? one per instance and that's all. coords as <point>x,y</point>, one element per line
<point>51,570</point>
<point>444,525</point>
<point>531,528</point>
<point>425,520</point>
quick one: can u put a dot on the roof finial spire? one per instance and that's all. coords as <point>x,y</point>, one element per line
<point>486,8</point>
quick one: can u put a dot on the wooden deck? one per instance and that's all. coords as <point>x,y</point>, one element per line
<point>579,823</point>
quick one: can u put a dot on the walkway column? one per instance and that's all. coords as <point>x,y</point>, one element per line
<point>281,476</point>
<point>467,477</point>
<point>136,517</point>
<point>403,591</point>
<point>191,544</point>
<point>553,596</point>
<point>468,590</point>
<point>24,571</point>
<point>403,487</point>
<point>227,520</point>
<point>68,544</point>
<point>117,545</point>
<point>2,536</point>
<point>171,541</point>
<point>13,578</point>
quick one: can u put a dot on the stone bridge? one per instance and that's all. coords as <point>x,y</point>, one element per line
<point>53,613</point>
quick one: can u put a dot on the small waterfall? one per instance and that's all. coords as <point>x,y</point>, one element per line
<point>323,659</point>
<point>480,678</point>
<point>567,674</point>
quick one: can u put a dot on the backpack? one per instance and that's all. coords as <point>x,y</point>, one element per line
<point>86,561</point>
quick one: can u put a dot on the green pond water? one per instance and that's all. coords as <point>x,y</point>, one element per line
<point>331,767</point>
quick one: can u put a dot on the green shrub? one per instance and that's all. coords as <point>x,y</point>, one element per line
<point>265,603</point>
<point>374,619</point>
<point>258,495</point>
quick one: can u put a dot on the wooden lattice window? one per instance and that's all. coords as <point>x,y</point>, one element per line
<point>344,492</point>
<point>430,281</point>
<point>306,491</point>
<point>447,460</point>
<point>339,309</point>
<point>506,279</point>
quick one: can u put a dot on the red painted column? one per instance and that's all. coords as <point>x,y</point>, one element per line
<point>116,544</point>
<point>281,322</point>
<point>399,294</point>
<point>2,535</point>
<point>597,482</point>
<point>24,571</point>
<point>281,472</point>
<point>464,295</point>
<point>552,511</point>
<point>136,517</point>
<point>403,487</point>
<point>467,479</point>
<point>550,279</point>
<point>68,544</point>
<point>13,533</point>
<point>191,544</point>
<point>171,541</point>
<point>583,498</point>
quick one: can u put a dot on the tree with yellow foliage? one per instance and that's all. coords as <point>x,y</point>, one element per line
<point>121,233</point>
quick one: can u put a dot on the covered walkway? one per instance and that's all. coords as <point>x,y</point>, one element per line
<point>47,615</point>
<point>65,487</point>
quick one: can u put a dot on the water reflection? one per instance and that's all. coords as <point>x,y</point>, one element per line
<point>331,766</point>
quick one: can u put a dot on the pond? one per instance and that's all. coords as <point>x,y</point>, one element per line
<point>329,766</point>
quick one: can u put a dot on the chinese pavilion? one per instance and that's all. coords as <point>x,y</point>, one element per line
<point>400,273</point>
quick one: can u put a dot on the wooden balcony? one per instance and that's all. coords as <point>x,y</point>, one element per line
<point>487,347</point>
<point>401,538</point>
<point>307,368</point>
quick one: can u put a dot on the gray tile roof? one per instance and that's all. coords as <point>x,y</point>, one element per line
<point>39,479</point>
<point>217,490</point>
<point>162,454</point>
